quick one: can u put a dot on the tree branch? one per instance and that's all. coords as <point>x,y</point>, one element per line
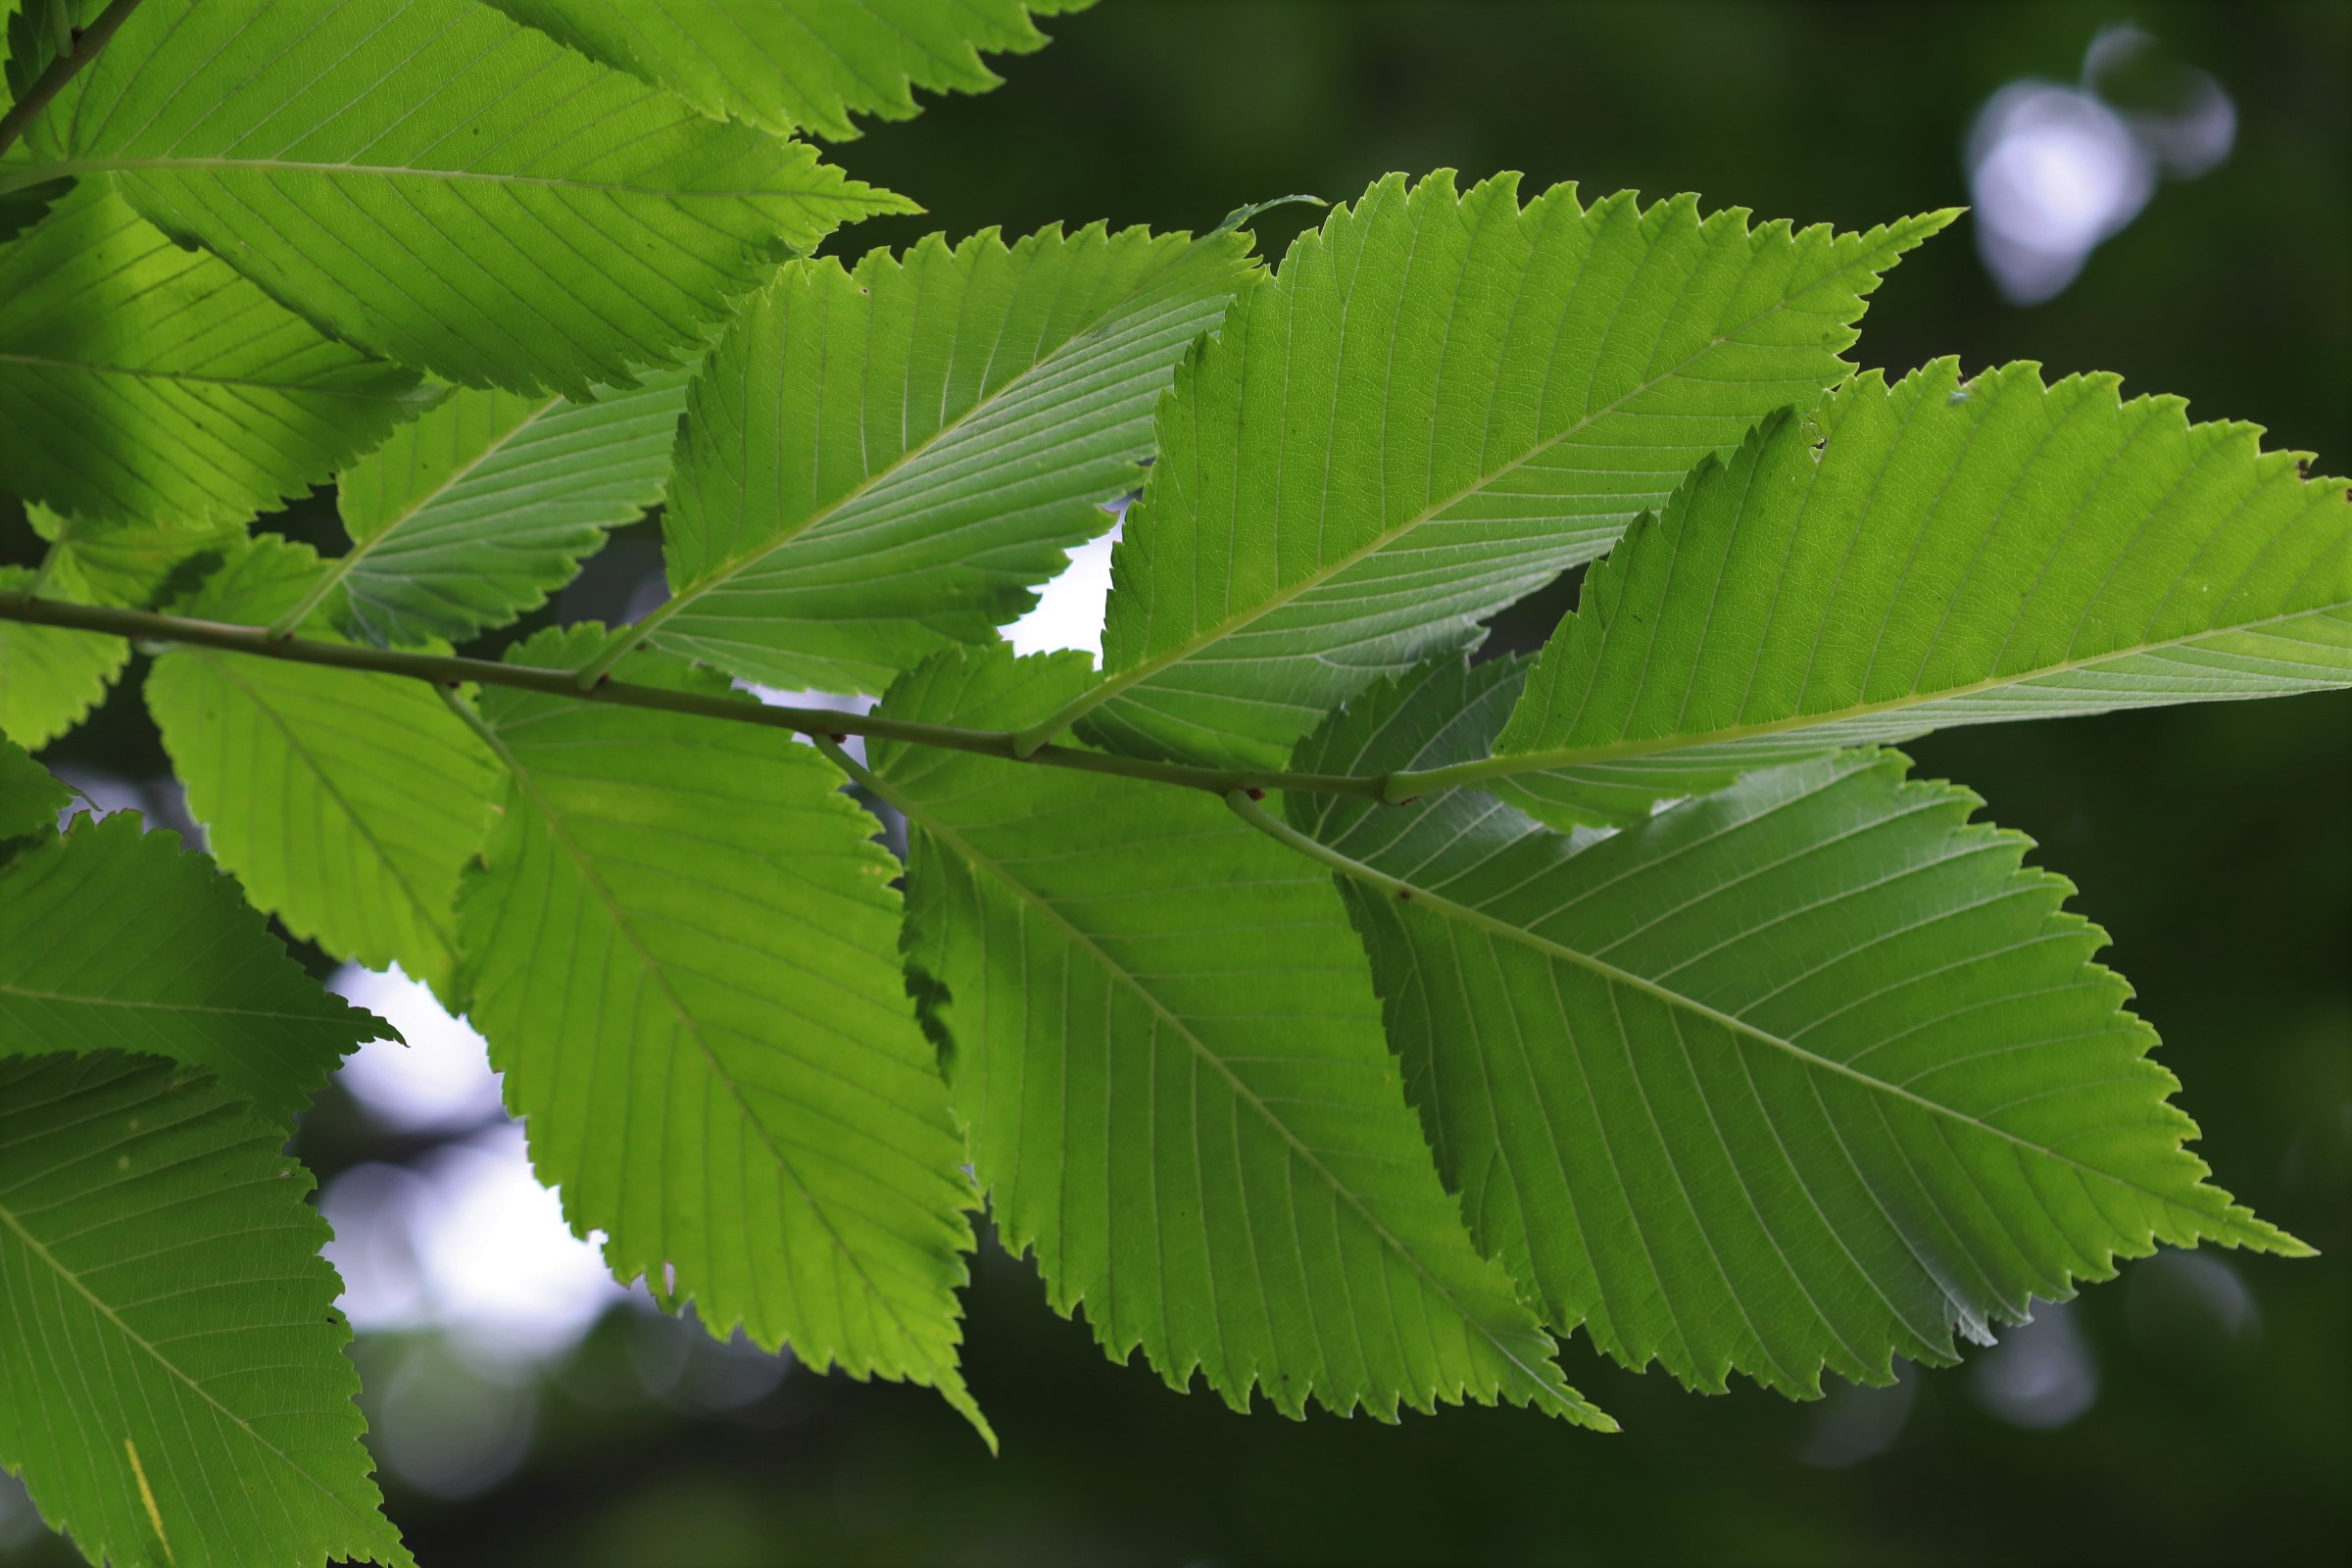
<point>52,80</point>
<point>453,670</point>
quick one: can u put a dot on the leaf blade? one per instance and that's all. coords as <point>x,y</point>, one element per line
<point>879,463</point>
<point>1823,1072</point>
<point>30,797</point>
<point>347,803</point>
<point>678,1017</point>
<point>143,383</point>
<point>114,940</point>
<point>1486,394</point>
<point>1958,554</point>
<point>1229,1135</point>
<point>50,678</point>
<point>480,508</point>
<point>549,225</point>
<point>786,63</point>
<point>159,1277</point>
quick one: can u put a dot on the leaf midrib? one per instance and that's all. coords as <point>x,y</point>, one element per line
<point>1669,997</point>
<point>242,383</point>
<point>79,1000</point>
<point>344,564</point>
<point>40,173</point>
<point>1507,762</point>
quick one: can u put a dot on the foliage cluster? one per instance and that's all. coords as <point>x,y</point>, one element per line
<point>1336,1015</point>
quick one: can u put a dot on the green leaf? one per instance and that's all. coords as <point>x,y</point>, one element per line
<point>877,464</point>
<point>1804,1074</point>
<point>782,63</point>
<point>682,947</point>
<point>114,939</point>
<point>443,187</point>
<point>29,799</point>
<point>479,511</point>
<point>1438,404</point>
<point>134,565</point>
<point>140,382</point>
<point>50,678</point>
<point>178,1391</point>
<point>1951,553</point>
<point>1168,1060</point>
<point>346,802</point>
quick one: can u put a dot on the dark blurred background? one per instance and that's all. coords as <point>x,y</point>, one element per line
<point>2196,1411</point>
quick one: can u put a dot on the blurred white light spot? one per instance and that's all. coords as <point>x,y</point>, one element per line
<point>1070,609</point>
<point>440,1081</point>
<point>2041,1375</point>
<point>466,1241</point>
<point>160,802</point>
<point>446,1431</point>
<point>2054,170</point>
<point>101,793</point>
<point>507,1276</point>
<point>374,1210</point>
<point>469,1244</point>
<point>727,1376</point>
<point>2180,114</point>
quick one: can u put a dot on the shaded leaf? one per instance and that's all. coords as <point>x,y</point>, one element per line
<point>129,563</point>
<point>29,799</point>
<point>50,678</point>
<point>178,1391</point>
<point>442,187</point>
<point>115,938</point>
<point>144,384</point>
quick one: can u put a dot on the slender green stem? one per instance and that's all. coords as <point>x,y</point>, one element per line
<point>61,70</point>
<point>453,670</point>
